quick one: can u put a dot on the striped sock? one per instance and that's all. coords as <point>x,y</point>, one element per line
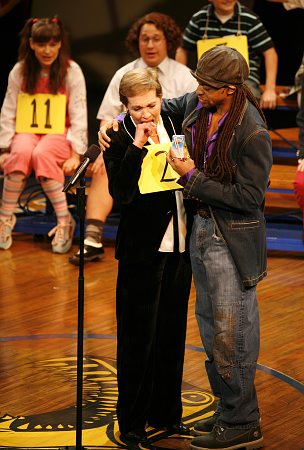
<point>12,188</point>
<point>53,190</point>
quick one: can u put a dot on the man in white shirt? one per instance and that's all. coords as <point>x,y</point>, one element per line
<point>154,38</point>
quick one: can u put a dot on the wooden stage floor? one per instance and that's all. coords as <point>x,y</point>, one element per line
<point>38,348</point>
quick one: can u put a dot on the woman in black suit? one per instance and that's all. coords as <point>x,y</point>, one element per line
<point>154,274</point>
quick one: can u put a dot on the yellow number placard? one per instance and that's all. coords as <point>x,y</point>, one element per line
<point>240,43</point>
<point>41,113</point>
<point>156,174</point>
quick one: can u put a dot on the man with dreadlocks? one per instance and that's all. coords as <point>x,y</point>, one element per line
<point>227,137</point>
<point>227,177</point>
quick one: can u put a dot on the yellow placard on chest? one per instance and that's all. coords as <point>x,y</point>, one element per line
<point>156,174</point>
<point>240,43</point>
<point>41,113</point>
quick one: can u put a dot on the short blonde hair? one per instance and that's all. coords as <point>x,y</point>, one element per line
<point>139,81</point>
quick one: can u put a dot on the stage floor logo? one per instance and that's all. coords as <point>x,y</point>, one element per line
<point>57,428</point>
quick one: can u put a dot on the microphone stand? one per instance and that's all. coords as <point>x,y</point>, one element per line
<point>90,156</point>
<point>81,214</point>
<point>80,326</point>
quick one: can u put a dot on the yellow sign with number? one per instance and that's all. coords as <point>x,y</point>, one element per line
<point>239,43</point>
<point>156,174</point>
<point>41,113</point>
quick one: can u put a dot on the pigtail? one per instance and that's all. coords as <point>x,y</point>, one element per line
<point>25,34</point>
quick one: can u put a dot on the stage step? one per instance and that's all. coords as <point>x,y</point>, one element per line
<point>285,237</point>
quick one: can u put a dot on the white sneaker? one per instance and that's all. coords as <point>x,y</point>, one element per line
<point>6,228</point>
<point>63,238</point>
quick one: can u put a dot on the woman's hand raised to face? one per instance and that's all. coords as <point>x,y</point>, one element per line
<point>143,131</point>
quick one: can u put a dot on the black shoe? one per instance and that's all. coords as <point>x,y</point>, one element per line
<point>229,438</point>
<point>134,437</point>
<point>177,428</point>
<point>90,253</point>
<point>205,426</point>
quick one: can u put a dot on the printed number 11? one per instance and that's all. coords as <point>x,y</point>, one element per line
<point>47,116</point>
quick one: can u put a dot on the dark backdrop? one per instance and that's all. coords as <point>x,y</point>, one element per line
<point>285,27</point>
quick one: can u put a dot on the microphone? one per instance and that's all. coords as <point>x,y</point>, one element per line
<point>89,157</point>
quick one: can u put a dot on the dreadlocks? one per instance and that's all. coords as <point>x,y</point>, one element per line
<point>218,166</point>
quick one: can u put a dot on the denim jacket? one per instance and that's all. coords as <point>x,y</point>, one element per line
<point>236,208</point>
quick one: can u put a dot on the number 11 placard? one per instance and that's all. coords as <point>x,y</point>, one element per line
<point>41,113</point>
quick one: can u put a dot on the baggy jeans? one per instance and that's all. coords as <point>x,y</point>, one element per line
<point>228,321</point>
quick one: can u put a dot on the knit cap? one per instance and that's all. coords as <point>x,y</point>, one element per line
<point>221,66</point>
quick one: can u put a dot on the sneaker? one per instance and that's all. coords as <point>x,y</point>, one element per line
<point>229,438</point>
<point>63,238</point>
<point>205,426</point>
<point>6,228</point>
<point>90,253</point>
